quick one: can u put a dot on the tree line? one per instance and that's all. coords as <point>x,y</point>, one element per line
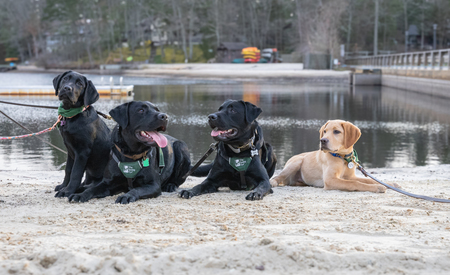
<point>89,31</point>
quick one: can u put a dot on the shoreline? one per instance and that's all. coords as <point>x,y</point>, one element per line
<point>217,71</point>
<point>296,229</point>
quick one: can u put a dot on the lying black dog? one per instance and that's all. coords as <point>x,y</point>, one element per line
<point>143,161</point>
<point>85,135</point>
<point>244,161</point>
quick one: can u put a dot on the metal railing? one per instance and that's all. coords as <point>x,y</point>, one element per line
<point>428,60</point>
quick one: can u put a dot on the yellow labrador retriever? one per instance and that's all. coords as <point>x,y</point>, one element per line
<point>329,167</point>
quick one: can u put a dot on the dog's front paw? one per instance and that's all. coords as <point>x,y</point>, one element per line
<point>380,189</point>
<point>126,198</point>
<point>59,187</point>
<point>273,183</point>
<point>64,193</point>
<point>186,194</point>
<point>170,187</point>
<point>83,197</point>
<point>254,196</point>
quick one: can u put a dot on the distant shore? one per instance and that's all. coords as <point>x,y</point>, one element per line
<point>291,71</point>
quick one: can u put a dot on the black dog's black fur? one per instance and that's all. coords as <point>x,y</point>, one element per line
<point>86,136</point>
<point>132,118</point>
<point>239,116</point>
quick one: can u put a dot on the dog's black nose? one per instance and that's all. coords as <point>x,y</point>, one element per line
<point>67,88</point>
<point>162,116</point>
<point>212,117</point>
<point>323,140</point>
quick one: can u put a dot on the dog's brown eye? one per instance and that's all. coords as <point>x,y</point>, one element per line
<point>232,111</point>
<point>79,83</point>
<point>141,111</point>
<point>336,132</point>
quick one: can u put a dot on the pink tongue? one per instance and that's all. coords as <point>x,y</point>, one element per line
<point>215,133</point>
<point>160,139</point>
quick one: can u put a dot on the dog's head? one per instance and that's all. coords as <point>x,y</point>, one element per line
<point>338,135</point>
<point>141,122</point>
<point>232,123</point>
<point>74,90</point>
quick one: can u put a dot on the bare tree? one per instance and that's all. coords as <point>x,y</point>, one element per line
<point>375,32</point>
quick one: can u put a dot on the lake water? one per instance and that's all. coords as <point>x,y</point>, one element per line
<point>399,128</point>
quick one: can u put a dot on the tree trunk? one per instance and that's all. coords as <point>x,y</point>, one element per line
<point>151,59</point>
<point>217,22</point>
<point>191,27</point>
<point>349,27</point>
<point>405,7</point>
<point>375,31</point>
<point>422,25</point>
<point>179,18</point>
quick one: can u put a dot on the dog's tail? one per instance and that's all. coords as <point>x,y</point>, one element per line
<point>202,171</point>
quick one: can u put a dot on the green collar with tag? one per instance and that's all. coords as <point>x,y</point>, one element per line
<point>351,158</point>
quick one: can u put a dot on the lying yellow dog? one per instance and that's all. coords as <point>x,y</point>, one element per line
<point>329,167</point>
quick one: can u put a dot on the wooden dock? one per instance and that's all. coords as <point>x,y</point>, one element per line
<point>104,91</point>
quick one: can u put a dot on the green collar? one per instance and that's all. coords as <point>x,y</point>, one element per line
<point>70,112</point>
<point>352,157</point>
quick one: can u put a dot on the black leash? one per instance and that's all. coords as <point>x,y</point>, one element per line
<point>28,105</point>
<point>23,127</point>
<point>360,168</point>
<point>105,116</point>
<point>211,149</point>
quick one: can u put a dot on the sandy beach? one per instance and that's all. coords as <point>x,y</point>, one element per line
<point>295,230</point>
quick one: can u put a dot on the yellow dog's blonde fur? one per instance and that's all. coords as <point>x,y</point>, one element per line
<point>321,169</point>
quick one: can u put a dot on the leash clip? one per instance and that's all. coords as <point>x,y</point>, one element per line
<point>213,146</point>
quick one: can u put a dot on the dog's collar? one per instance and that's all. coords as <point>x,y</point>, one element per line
<point>63,114</point>
<point>352,157</point>
<point>133,157</point>
<point>244,147</point>
<point>69,113</point>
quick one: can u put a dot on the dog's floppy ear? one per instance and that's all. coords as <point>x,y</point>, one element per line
<point>120,114</point>
<point>90,94</point>
<point>251,111</point>
<point>57,80</point>
<point>322,129</point>
<point>351,134</point>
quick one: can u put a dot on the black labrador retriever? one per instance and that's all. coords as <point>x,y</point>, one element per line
<point>143,161</point>
<point>244,161</point>
<point>85,135</point>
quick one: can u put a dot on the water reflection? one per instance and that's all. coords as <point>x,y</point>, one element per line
<point>398,128</point>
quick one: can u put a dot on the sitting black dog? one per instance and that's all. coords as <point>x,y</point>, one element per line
<point>244,161</point>
<point>85,135</point>
<point>143,161</point>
